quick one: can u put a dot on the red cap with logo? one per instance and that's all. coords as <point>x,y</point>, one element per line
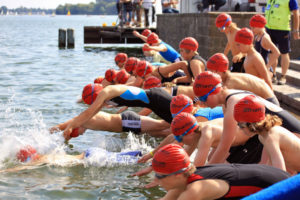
<point>152,38</point>
<point>99,80</point>
<point>218,62</point>
<point>244,36</point>
<point>181,103</point>
<point>205,82</point>
<point>122,76</point>
<point>223,20</point>
<point>249,109</point>
<point>189,43</point>
<point>110,75</point>
<point>258,21</point>
<point>170,158</point>
<point>26,153</point>
<point>184,123</point>
<point>146,32</point>
<point>121,58</point>
<point>131,64</point>
<point>143,68</point>
<point>152,82</point>
<point>90,93</point>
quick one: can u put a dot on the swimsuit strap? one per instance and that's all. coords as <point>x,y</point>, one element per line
<point>242,92</point>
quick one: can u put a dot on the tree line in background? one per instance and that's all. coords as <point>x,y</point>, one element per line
<point>102,7</point>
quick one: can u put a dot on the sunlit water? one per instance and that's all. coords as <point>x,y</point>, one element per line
<point>39,86</point>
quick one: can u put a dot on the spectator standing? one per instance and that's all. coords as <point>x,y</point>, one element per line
<point>167,6</point>
<point>278,15</point>
<point>136,11</point>
<point>147,4</point>
<point>153,11</point>
<point>127,11</point>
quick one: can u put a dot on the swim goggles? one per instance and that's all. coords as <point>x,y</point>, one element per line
<point>223,27</point>
<point>204,98</point>
<point>161,176</point>
<point>178,138</point>
<point>174,115</point>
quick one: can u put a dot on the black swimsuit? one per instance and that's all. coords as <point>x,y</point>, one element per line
<point>195,57</point>
<point>251,151</point>
<point>158,101</point>
<point>170,79</point>
<point>263,52</point>
<point>243,179</point>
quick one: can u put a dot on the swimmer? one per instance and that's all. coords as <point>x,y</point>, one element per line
<point>153,56</point>
<point>225,25</point>
<point>282,146</point>
<point>164,49</point>
<point>120,59</point>
<point>145,33</point>
<point>263,43</point>
<point>218,63</point>
<point>32,159</point>
<point>176,174</point>
<point>254,63</point>
<point>210,91</point>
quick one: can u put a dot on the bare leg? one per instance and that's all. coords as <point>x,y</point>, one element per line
<point>285,63</point>
<point>166,70</point>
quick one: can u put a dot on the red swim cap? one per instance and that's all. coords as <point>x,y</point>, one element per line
<point>143,68</point>
<point>244,36</point>
<point>74,133</point>
<point>181,103</point>
<point>249,109</point>
<point>258,21</point>
<point>146,48</point>
<point>223,20</point>
<point>90,92</point>
<point>183,122</point>
<point>99,80</point>
<point>170,158</point>
<point>131,64</point>
<point>205,82</point>
<point>121,58</point>
<point>152,82</point>
<point>189,43</point>
<point>110,75</point>
<point>146,32</point>
<point>152,38</point>
<point>218,62</point>
<point>26,153</point>
<point>122,76</point>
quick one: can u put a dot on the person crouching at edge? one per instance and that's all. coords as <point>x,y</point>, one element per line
<point>175,173</point>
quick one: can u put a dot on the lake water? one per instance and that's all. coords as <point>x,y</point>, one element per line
<point>39,86</point>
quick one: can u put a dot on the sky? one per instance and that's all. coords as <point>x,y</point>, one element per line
<point>45,4</point>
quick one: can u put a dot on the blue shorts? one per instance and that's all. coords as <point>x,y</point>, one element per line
<point>281,39</point>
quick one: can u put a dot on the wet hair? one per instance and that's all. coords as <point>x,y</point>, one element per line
<point>190,171</point>
<point>266,124</point>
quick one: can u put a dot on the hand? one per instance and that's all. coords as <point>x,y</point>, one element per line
<point>143,172</point>
<point>146,46</point>
<point>67,132</point>
<point>296,35</point>
<point>237,58</point>
<point>135,33</point>
<point>152,184</point>
<point>145,158</point>
<point>54,129</point>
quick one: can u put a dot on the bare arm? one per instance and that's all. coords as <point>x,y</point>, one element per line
<point>274,54</point>
<point>296,24</point>
<point>107,93</point>
<point>137,34</point>
<point>182,79</point>
<point>227,49</point>
<point>227,138</point>
<point>272,146</point>
<point>161,47</point>
<point>197,67</point>
<point>263,72</point>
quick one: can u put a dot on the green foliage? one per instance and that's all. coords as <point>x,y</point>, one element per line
<point>102,7</point>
